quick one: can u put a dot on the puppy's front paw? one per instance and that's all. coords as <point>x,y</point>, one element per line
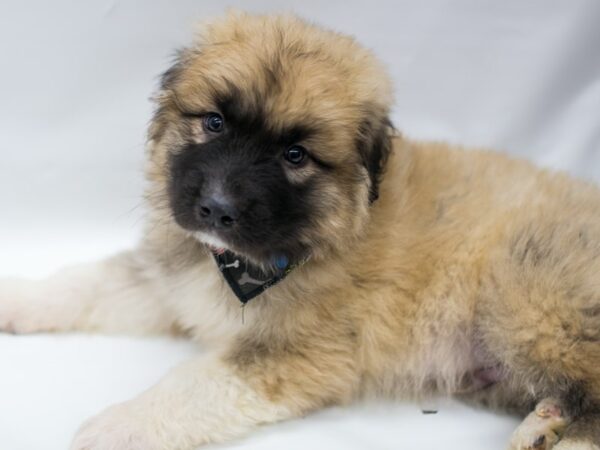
<point>19,309</point>
<point>117,428</point>
<point>541,429</point>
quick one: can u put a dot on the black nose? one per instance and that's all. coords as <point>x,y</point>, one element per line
<point>217,213</point>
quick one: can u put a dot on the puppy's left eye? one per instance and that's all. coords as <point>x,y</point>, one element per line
<point>214,122</point>
<point>296,154</point>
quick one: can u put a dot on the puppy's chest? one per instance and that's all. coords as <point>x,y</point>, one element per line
<point>204,306</point>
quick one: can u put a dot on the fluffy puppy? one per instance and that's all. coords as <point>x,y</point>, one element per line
<point>367,264</point>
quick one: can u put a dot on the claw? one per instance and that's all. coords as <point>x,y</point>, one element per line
<point>547,409</point>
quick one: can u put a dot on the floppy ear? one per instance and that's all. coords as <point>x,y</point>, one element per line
<point>374,147</point>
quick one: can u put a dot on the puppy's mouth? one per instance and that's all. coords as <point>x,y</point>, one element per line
<point>213,242</point>
<point>274,261</point>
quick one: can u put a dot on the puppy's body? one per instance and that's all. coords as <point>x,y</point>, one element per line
<point>430,270</point>
<point>414,299</point>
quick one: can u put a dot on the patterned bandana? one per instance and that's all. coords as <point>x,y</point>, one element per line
<point>246,280</point>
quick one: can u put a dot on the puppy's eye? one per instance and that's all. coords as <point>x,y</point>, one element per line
<point>214,123</point>
<point>296,154</point>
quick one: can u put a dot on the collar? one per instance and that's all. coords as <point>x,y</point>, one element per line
<point>247,280</point>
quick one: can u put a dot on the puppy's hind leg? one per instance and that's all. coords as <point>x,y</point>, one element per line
<point>116,295</point>
<point>539,315</point>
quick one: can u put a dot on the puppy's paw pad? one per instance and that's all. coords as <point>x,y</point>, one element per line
<point>534,440</point>
<point>540,430</point>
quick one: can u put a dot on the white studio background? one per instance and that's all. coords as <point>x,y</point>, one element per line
<point>75,78</point>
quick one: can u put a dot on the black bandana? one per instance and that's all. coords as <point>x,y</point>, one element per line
<point>246,280</point>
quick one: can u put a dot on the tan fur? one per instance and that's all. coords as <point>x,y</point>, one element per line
<point>467,260</point>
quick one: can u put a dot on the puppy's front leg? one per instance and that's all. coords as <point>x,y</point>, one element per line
<point>200,402</point>
<point>214,399</point>
<point>115,295</point>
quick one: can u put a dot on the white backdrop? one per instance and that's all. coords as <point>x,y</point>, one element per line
<point>522,77</point>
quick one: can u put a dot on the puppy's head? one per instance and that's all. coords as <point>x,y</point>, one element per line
<point>270,137</point>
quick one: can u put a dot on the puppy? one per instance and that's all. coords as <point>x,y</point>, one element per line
<point>326,258</point>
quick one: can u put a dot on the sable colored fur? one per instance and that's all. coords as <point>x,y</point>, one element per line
<point>431,270</point>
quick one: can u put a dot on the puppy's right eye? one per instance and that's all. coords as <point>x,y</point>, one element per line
<point>296,154</point>
<point>214,123</point>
